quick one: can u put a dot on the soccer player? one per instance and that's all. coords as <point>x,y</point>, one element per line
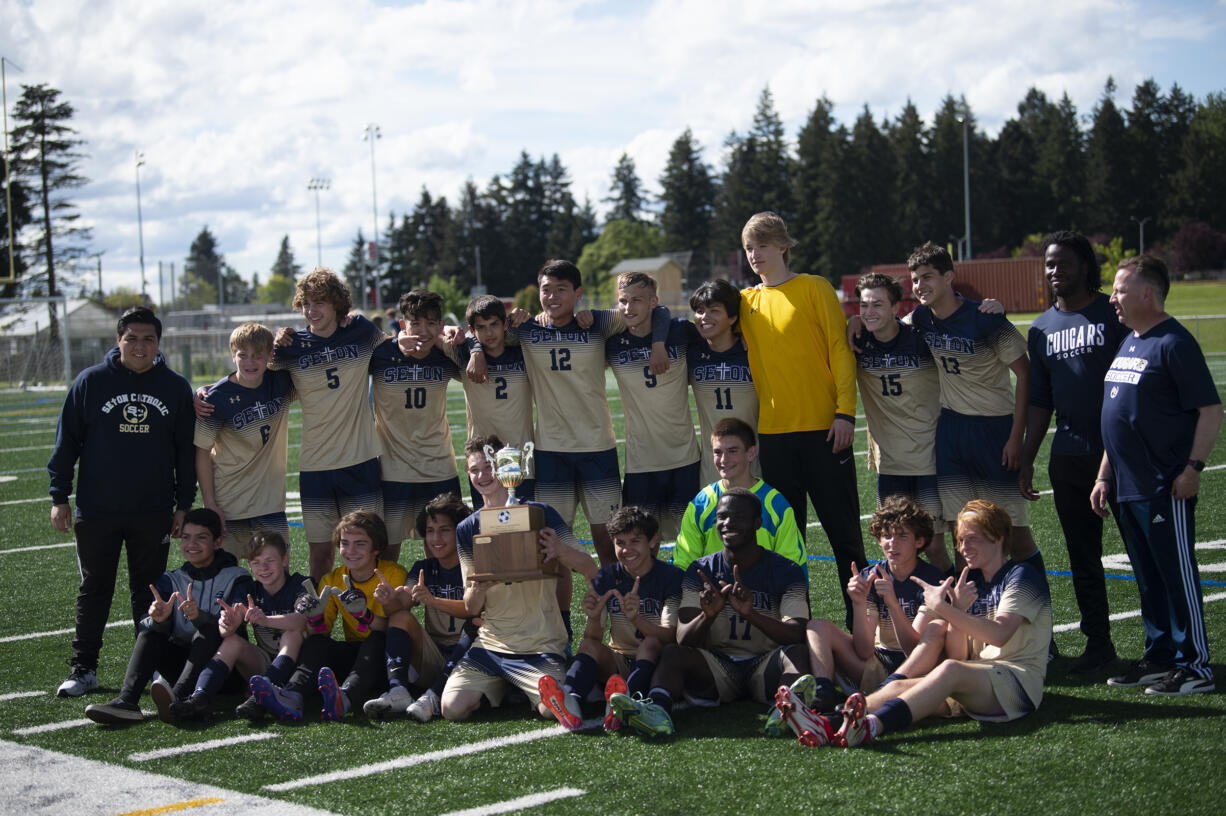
<point>241,447</point>
<point>127,429</point>
<point>719,368</point>
<point>661,452</point>
<point>1071,347</point>
<point>741,627</point>
<point>638,597</point>
<point>521,637</point>
<point>180,633</point>
<point>734,448</point>
<point>576,452</point>
<point>277,628</point>
<point>983,419</point>
<point>999,628</point>
<point>901,394</point>
<point>1161,415</point>
<point>888,622</point>
<point>805,376</point>
<point>363,656</point>
<point>410,376</point>
<point>435,584</point>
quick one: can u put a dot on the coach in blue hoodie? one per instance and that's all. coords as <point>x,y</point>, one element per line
<point>128,425</point>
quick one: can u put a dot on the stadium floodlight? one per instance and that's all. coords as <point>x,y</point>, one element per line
<point>140,229</point>
<point>966,180</point>
<point>317,184</point>
<point>1141,222</point>
<point>370,134</point>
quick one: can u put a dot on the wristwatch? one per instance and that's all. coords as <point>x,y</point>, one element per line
<point>1196,464</point>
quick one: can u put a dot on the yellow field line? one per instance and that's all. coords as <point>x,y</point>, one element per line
<point>191,803</point>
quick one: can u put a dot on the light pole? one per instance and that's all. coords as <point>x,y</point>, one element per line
<point>370,134</point>
<point>1141,225</point>
<point>140,227</point>
<point>966,180</point>
<point>317,184</point>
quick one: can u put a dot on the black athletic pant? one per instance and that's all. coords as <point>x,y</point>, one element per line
<point>99,541</point>
<point>1072,479</point>
<point>362,665</point>
<point>802,463</point>
<point>179,663</point>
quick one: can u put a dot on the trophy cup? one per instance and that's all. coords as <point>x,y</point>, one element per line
<point>506,549</point>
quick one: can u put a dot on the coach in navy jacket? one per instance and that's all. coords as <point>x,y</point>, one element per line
<point>127,424</point>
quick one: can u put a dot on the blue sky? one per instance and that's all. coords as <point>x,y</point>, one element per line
<point>237,105</point>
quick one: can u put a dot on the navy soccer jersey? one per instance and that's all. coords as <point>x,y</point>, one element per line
<point>446,583</point>
<point>1070,353</point>
<point>659,600</point>
<point>278,603</point>
<point>1151,395</point>
<point>779,588</point>
<point>910,597</point>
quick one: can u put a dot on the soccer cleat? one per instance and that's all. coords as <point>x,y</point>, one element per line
<point>855,730</point>
<point>1140,673</point>
<point>116,712</point>
<point>195,707</point>
<point>425,707</point>
<point>336,704</point>
<point>642,715</point>
<point>1181,681</point>
<point>812,729</point>
<point>555,700</point>
<point>805,690</point>
<point>164,698</point>
<point>391,703</point>
<point>615,685</point>
<point>250,709</point>
<point>81,681</point>
<point>287,705</point>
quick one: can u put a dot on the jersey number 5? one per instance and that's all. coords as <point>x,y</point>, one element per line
<point>890,385</point>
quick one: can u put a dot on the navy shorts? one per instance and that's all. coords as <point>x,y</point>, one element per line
<point>404,501</point>
<point>329,494</point>
<point>968,465</point>
<point>664,493</point>
<point>564,480</point>
<point>922,489</point>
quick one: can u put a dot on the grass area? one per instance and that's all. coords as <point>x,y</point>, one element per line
<point>1088,748</point>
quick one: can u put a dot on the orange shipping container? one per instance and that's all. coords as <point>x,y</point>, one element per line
<point>1018,283</point>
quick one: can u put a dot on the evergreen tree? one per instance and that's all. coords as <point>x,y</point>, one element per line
<point>870,201</point>
<point>1061,165</point>
<point>812,144</point>
<point>527,221</point>
<point>285,265</point>
<point>16,192</point>
<point>835,181</point>
<point>355,262</point>
<point>911,182</point>
<point>757,175</point>
<point>1107,168</point>
<point>1197,184</point>
<point>205,272</point>
<point>45,155</point>
<point>625,197</point>
<point>688,202</point>
<point>1144,150</point>
<point>946,210</point>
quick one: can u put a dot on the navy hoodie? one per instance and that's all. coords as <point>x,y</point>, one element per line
<point>132,434</point>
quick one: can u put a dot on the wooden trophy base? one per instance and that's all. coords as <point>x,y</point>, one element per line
<point>506,549</point>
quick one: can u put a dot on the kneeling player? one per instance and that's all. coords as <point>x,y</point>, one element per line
<point>742,625</point>
<point>997,640</point>
<point>639,595</point>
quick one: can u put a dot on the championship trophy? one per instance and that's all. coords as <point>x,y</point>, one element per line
<point>507,549</point>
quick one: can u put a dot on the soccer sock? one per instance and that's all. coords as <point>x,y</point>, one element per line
<point>640,676</point>
<point>570,633</point>
<point>399,651</point>
<point>212,678</point>
<point>662,698</point>
<point>825,687</point>
<point>280,670</point>
<point>894,715</point>
<point>581,676</point>
<point>891,678</point>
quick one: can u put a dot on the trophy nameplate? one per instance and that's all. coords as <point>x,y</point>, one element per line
<point>506,549</point>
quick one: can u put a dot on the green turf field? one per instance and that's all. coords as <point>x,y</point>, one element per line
<point>1089,748</point>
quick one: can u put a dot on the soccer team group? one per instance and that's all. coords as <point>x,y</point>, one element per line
<point>774,371</point>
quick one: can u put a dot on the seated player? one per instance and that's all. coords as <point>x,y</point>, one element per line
<point>410,375</point>
<point>179,642</point>
<point>241,447</point>
<point>741,625</point>
<point>734,448</point>
<point>638,595</point>
<point>278,630</point>
<point>887,623</point>
<point>521,637</point>
<point>996,644</point>
<point>435,584</point>
<point>719,368</point>
<point>362,657</point>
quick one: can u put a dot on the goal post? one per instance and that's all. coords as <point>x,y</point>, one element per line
<point>29,354</point>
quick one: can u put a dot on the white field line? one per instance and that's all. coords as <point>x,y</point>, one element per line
<point>161,753</point>
<point>523,802</point>
<point>19,695</point>
<point>33,635</point>
<point>431,756</point>
<point>38,547</point>
<point>55,726</point>
<point>1132,613</point>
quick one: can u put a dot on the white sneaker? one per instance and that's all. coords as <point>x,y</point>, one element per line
<point>81,681</point>
<point>425,708</point>
<point>390,703</point>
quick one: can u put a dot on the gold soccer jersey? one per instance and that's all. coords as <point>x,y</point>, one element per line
<point>248,435</point>
<point>901,394</point>
<point>659,601</point>
<point>723,387</point>
<point>330,378</point>
<point>779,591</point>
<point>410,397</point>
<point>502,405</point>
<point>659,430</point>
